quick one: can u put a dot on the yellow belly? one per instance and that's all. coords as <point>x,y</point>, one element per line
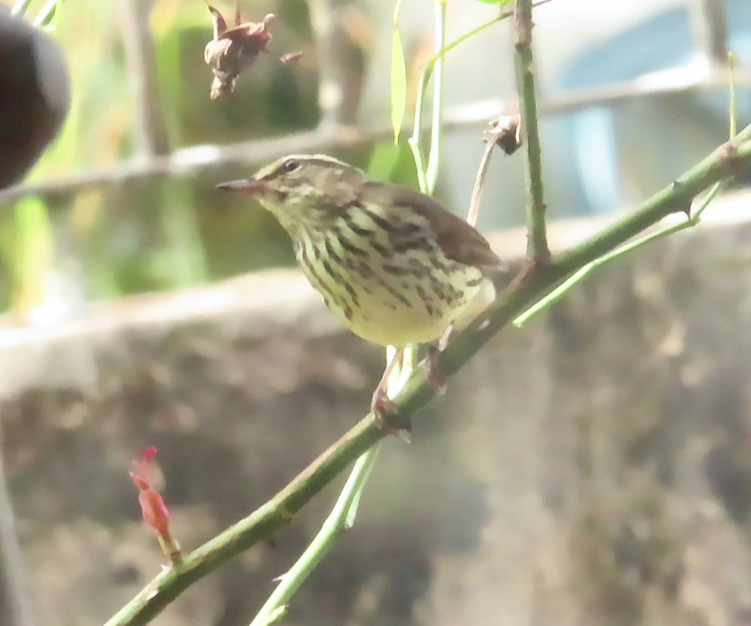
<point>379,321</point>
<point>387,295</point>
<point>385,302</point>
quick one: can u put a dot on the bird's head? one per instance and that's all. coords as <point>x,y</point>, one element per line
<point>301,190</point>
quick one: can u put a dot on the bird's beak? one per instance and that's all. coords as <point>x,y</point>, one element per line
<point>246,186</point>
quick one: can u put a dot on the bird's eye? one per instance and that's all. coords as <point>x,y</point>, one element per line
<point>290,165</point>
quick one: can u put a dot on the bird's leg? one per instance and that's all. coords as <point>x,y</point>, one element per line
<point>444,340</point>
<point>382,406</point>
<point>435,375</point>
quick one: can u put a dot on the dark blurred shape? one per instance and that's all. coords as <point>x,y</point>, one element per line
<point>34,95</point>
<point>505,132</point>
<point>728,468</point>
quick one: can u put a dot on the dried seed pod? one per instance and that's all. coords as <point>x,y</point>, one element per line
<point>506,132</point>
<point>233,50</point>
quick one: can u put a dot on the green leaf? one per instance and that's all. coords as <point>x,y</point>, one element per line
<point>398,85</point>
<point>383,160</point>
<point>393,162</point>
<point>47,13</point>
<point>19,7</point>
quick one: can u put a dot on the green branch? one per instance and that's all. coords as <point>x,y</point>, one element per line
<point>341,516</point>
<point>582,273</point>
<point>537,242</point>
<point>276,513</point>
<point>692,218</point>
<point>259,525</point>
<point>726,161</point>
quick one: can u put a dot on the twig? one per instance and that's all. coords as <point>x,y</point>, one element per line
<point>340,517</point>
<point>727,160</point>
<point>538,251</point>
<point>711,29</point>
<point>150,132</point>
<point>560,291</point>
<point>336,104</point>
<point>692,218</point>
<point>482,171</point>
<point>498,128</point>
<point>211,159</point>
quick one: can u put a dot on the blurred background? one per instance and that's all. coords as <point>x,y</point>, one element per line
<point>589,469</point>
<point>633,94</point>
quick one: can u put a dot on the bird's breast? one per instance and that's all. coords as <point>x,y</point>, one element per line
<point>387,295</point>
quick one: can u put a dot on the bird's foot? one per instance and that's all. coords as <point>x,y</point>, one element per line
<point>387,416</point>
<point>435,376</point>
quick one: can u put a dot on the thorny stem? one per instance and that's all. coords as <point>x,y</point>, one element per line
<point>692,218</point>
<point>585,271</point>
<point>724,162</point>
<point>538,251</point>
<point>361,441</point>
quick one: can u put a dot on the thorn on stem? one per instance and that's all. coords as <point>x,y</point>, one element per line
<point>290,57</point>
<point>678,186</point>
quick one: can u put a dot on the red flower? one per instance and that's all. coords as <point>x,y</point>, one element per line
<point>153,509</point>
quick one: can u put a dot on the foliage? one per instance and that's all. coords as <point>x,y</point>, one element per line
<point>152,235</point>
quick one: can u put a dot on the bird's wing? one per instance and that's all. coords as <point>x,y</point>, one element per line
<point>459,241</point>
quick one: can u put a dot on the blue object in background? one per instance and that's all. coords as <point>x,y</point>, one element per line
<point>600,163</point>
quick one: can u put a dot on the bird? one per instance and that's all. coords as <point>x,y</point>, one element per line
<point>392,263</point>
